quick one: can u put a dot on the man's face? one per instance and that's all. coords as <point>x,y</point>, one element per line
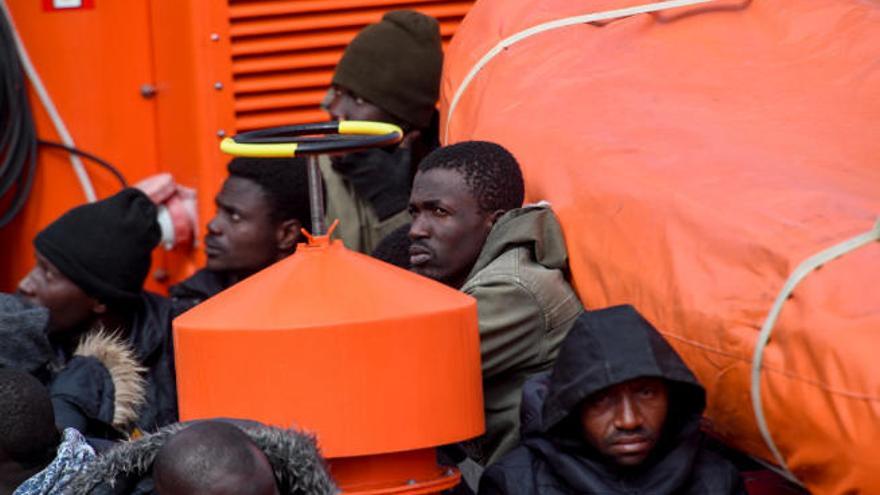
<point>342,104</point>
<point>448,227</point>
<point>624,422</point>
<point>242,238</point>
<point>69,307</point>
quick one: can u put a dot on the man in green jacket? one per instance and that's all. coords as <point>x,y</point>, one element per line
<point>469,232</point>
<point>390,72</point>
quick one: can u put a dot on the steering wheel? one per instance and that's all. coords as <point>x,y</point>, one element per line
<point>321,138</point>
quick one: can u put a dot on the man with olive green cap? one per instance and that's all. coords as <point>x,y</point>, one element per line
<point>390,72</point>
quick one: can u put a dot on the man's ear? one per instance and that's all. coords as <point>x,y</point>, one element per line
<point>288,234</point>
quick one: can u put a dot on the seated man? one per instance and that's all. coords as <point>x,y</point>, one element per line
<point>469,233</point>
<point>211,457</point>
<point>260,210</point>
<point>390,72</point>
<point>620,413</point>
<point>91,266</point>
<point>34,458</point>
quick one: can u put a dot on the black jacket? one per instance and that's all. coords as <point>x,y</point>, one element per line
<point>83,393</point>
<point>99,390</point>
<point>605,348</point>
<point>194,290</point>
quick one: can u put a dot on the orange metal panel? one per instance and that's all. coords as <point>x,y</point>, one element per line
<point>278,100</point>
<point>247,122</point>
<point>340,38</point>
<point>192,55</point>
<point>257,9</point>
<point>303,60</point>
<point>93,63</point>
<point>304,79</point>
<point>357,19</point>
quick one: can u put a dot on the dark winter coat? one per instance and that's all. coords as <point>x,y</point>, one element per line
<point>114,380</point>
<point>603,349</point>
<point>127,468</point>
<point>196,289</point>
<point>148,333</point>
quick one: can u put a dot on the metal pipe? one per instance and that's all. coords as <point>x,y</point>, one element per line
<point>316,197</point>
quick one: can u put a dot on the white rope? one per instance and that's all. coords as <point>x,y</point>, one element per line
<point>40,88</point>
<point>796,277</point>
<point>549,26</point>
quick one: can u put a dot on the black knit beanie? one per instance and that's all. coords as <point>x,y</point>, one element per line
<point>104,247</point>
<point>395,64</point>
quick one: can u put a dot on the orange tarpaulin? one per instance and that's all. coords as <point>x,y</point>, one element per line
<point>696,156</point>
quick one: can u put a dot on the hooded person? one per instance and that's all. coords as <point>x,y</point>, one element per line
<point>470,232</point>
<point>619,414</point>
<point>390,72</point>
<point>202,456</point>
<point>110,338</point>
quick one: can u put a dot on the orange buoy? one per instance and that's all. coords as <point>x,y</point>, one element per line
<point>381,364</point>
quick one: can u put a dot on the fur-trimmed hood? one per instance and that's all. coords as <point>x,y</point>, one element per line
<point>295,459</point>
<point>101,389</point>
<point>125,372</point>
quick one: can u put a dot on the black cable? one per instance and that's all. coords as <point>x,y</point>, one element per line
<point>85,154</point>
<point>18,135</point>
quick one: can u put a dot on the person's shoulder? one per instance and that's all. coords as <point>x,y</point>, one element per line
<point>713,473</point>
<point>512,474</point>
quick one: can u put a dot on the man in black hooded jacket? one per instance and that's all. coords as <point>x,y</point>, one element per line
<point>618,414</point>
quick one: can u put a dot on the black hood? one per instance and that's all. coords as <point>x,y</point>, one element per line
<point>605,348</point>
<point>608,347</point>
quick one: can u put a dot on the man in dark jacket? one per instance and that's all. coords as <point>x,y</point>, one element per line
<point>469,232</point>
<point>390,72</point>
<point>260,209</point>
<point>618,414</point>
<point>91,266</point>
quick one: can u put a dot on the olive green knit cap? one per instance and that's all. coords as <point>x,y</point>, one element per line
<point>395,64</point>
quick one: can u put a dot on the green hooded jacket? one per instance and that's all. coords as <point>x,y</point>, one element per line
<point>526,308</point>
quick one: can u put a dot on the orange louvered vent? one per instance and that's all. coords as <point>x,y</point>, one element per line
<point>284,51</point>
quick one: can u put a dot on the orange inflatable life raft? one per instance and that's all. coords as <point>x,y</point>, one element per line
<point>697,155</point>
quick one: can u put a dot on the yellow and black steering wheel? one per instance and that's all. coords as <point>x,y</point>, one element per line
<point>311,140</point>
<point>321,138</point>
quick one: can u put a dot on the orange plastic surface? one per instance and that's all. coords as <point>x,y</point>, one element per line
<point>372,358</point>
<point>695,158</point>
<point>410,473</point>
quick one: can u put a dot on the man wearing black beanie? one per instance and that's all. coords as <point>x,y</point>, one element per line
<point>90,270</point>
<point>390,72</point>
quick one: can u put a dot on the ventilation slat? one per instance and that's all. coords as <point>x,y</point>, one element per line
<point>357,20</point>
<point>338,39</point>
<point>282,100</point>
<point>284,51</point>
<point>249,122</point>
<point>263,9</point>
<point>276,82</point>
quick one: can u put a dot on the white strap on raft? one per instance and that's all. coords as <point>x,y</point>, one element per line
<point>796,277</point>
<point>549,26</point>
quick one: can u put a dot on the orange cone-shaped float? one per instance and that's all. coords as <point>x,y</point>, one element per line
<point>381,364</point>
